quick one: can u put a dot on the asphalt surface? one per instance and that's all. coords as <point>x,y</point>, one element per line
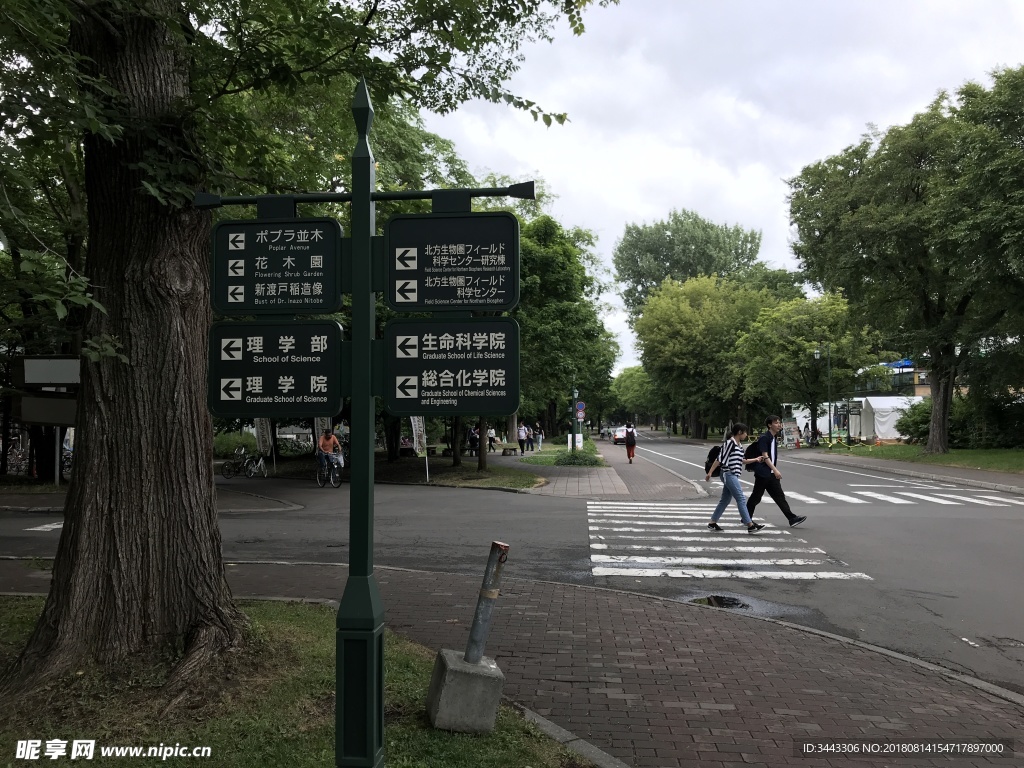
<point>636,679</point>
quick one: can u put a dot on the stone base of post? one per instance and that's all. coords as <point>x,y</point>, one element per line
<point>464,697</point>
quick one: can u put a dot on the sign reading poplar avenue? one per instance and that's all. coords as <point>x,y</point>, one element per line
<point>284,266</point>
<point>451,367</point>
<point>448,261</point>
<point>283,369</point>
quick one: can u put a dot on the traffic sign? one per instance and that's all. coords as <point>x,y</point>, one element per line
<point>283,369</point>
<point>581,415</point>
<point>451,367</point>
<point>450,261</point>
<point>581,406</point>
<point>284,266</point>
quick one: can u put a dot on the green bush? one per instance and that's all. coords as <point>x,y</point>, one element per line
<point>224,444</point>
<point>577,459</point>
<point>914,422</point>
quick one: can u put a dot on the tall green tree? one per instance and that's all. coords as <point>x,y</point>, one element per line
<point>776,354</point>
<point>916,228</point>
<point>564,342</point>
<point>156,90</point>
<point>686,336</point>
<point>683,246</point>
<point>636,394</point>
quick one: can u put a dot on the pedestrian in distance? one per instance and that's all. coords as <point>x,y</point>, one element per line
<point>491,437</point>
<point>767,476</point>
<point>538,435</point>
<point>521,436</point>
<point>732,461</point>
<point>529,438</point>
<point>326,447</point>
<point>630,441</point>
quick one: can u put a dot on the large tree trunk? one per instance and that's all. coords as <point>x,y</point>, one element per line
<point>942,382</point>
<point>139,566</point>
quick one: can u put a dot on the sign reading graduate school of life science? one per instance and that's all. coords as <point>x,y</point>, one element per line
<point>288,266</point>
<point>280,369</point>
<point>452,261</point>
<point>437,367</point>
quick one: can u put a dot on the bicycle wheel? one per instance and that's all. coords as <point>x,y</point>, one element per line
<point>228,470</point>
<point>250,468</point>
<point>321,476</point>
<point>335,475</point>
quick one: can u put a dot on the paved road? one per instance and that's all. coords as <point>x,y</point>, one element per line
<point>927,568</point>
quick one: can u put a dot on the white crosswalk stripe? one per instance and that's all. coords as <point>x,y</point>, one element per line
<point>970,500</point>
<point>844,497</point>
<point>804,499</point>
<point>664,540</point>
<point>883,497</point>
<point>933,499</point>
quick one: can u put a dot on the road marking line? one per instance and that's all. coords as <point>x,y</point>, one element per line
<point>676,573</point>
<point>740,550</point>
<point>883,497</point>
<point>970,500</point>
<point>703,538</point>
<point>696,561</point>
<point>706,532</point>
<point>932,499</point>
<point>804,499</point>
<point>1001,498</point>
<point>844,497</point>
<point>48,527</point>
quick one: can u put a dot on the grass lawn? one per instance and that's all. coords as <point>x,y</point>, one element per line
<point>272,704</point>
<point>993,459</point>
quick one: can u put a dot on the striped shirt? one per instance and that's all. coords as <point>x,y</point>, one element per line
<point>731,457</point>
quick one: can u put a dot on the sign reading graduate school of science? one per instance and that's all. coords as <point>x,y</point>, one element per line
<point>288,266</point>
<point>452,261</point>
<point>281,369</point>
<point>451,367</point>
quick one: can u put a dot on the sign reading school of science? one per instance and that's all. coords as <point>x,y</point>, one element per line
<point>452,367</point>
<point>283,369</point>
<point>442,261</point>
<point>287,266</point>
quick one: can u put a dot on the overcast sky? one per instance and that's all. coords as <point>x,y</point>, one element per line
<point>710,106</point>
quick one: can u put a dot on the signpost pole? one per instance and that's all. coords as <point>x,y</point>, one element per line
<point>359,709</point>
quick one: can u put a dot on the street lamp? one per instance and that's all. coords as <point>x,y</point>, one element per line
<point>828,357</point>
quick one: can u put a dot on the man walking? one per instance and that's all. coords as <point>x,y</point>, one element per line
<point>767,476</point>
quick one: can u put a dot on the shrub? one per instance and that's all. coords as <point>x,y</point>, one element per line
<point>914,422</point>
<point>224,444</point>
<point>577,459</point>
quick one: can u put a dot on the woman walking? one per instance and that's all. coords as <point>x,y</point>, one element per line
<point>731,460</point>
<point>630,441</point>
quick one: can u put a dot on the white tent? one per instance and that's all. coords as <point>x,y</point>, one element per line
<point>880,414</point>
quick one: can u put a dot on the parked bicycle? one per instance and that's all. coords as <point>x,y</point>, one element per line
<point>253,465</point>
<point>328,467</point>
<point>235,465</point>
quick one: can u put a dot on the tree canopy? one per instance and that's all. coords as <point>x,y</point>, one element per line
<point>920,228</point>
<point>683,246</point>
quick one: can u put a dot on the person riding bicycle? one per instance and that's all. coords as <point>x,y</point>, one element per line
<point>327,446</point>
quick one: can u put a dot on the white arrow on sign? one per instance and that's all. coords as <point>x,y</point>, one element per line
<point>405,290</point>
<point>230,389</point>
<point>236,293</point>
<point>406,386</point>
<point>236,241</point>
<point>407,346</point>
<point>405,258</point>
<point>230,349</point>
<point>236,268</point>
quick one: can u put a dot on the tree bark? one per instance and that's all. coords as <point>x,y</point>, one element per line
<point>139,567</point>
<point>942,382</point>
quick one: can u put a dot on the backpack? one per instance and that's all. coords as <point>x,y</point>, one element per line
<point>752,452</point>
<point>630,437</point>
<point>713,454</point>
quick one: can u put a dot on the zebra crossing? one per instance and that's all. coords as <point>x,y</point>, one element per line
<point>935,495</point>
<point>669,539</point>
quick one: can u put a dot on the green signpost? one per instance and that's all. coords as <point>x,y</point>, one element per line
<point>481,353</point>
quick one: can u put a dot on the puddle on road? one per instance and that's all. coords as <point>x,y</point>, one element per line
<point>718,601</point>
<point>752,606</point>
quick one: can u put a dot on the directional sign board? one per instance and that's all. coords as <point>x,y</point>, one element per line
<point>288,266</point>
<point>452,367</point>
<point>442,261</point>
<point>282,369</point>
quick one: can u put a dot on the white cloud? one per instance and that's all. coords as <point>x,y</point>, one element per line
<point>711,106</point>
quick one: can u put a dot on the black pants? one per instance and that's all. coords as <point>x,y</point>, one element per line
<point>774,487</point>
